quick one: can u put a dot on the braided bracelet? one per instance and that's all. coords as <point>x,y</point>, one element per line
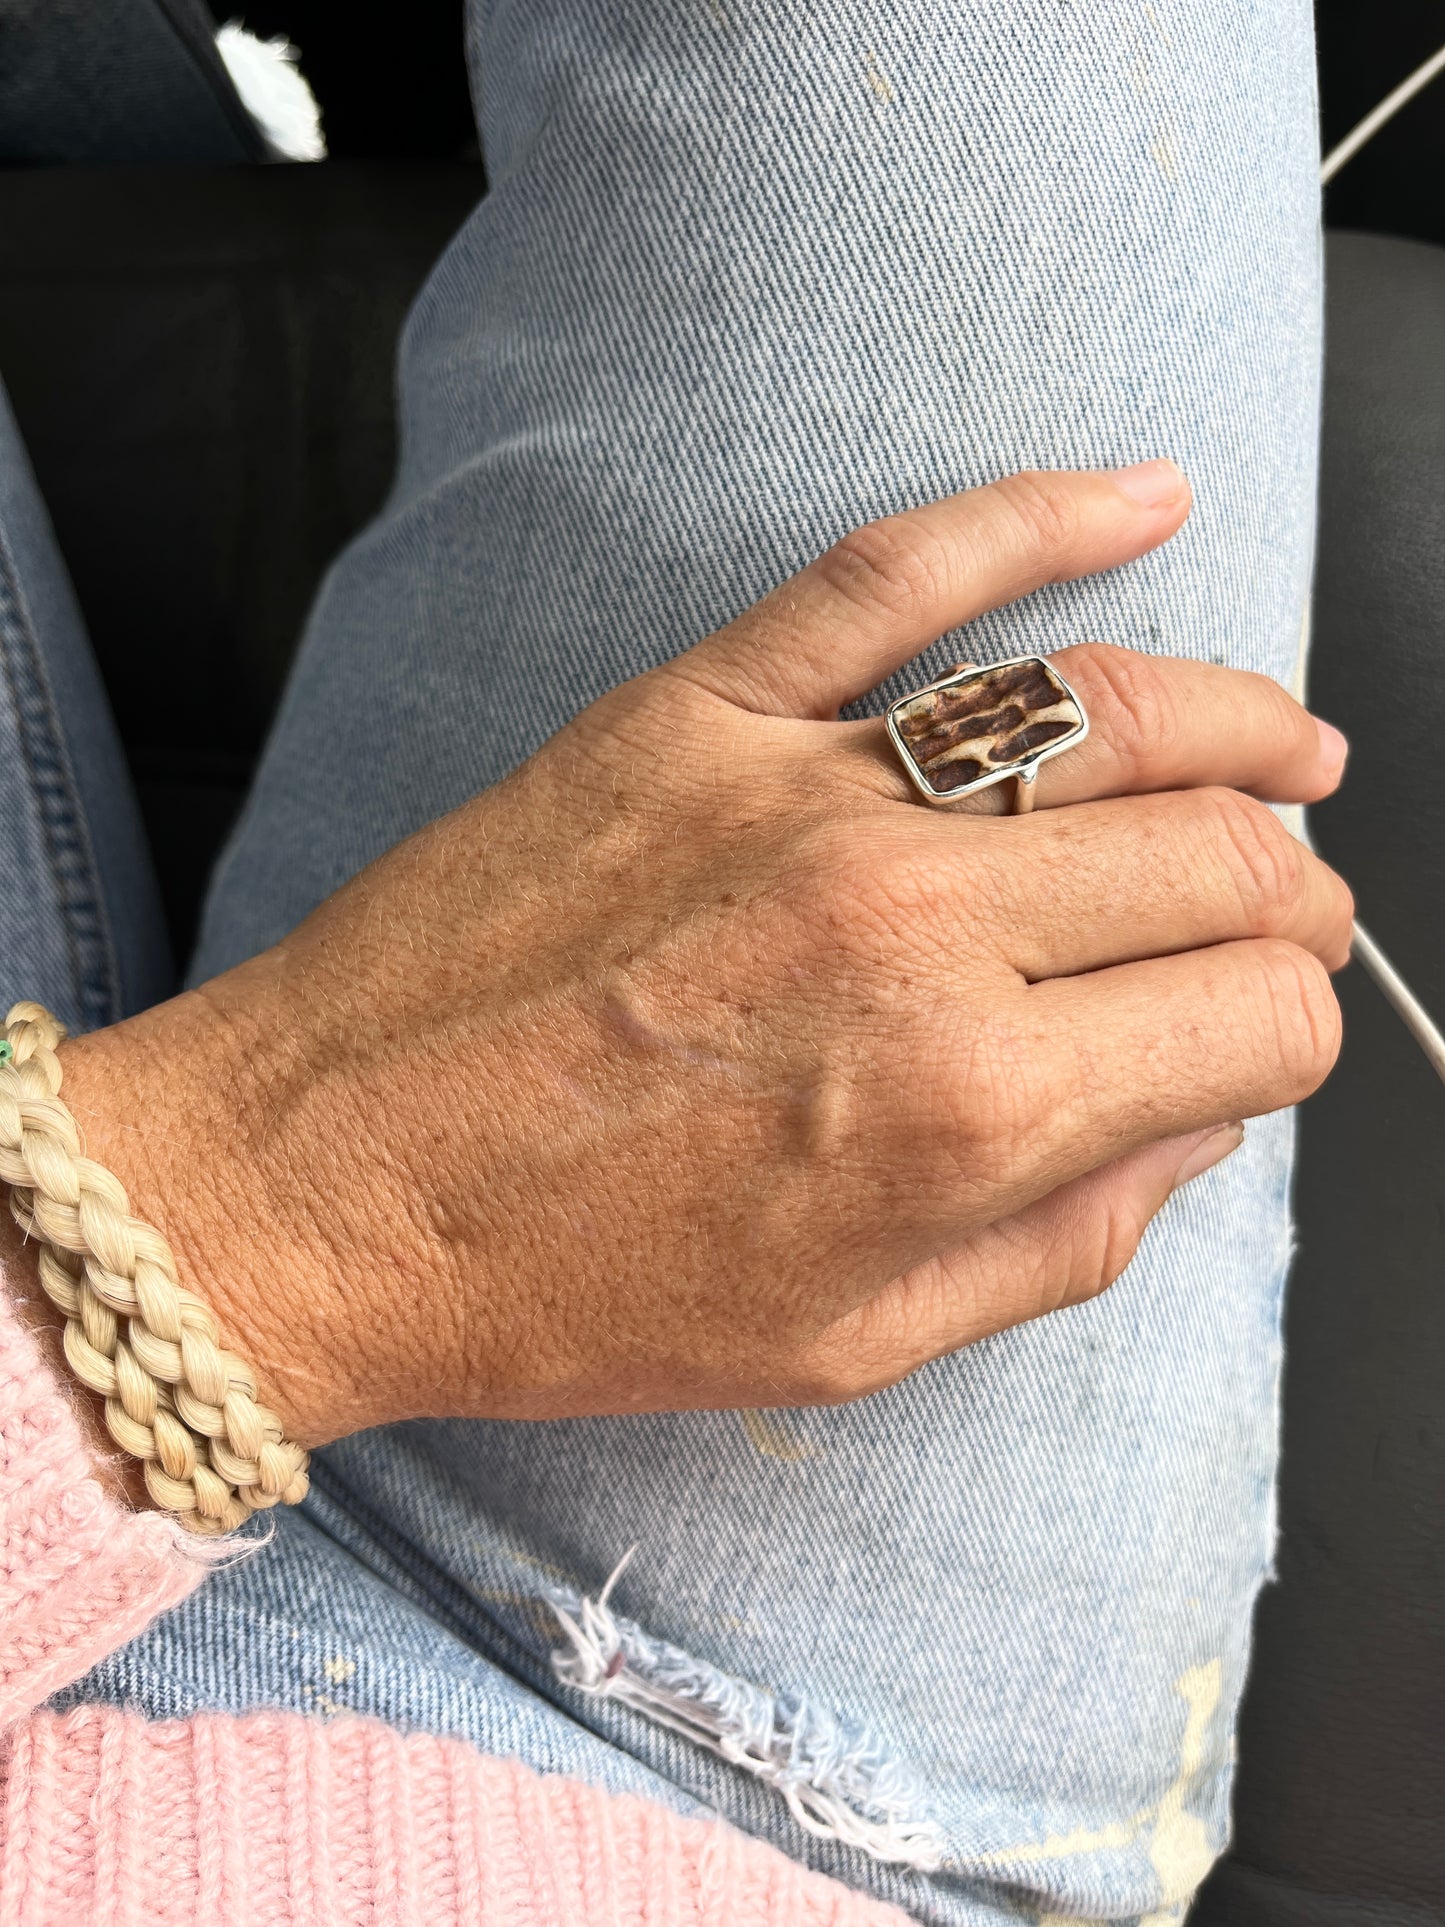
<point>174,1397</point>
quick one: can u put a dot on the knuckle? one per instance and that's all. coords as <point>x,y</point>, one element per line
<point>995,1106</point>
<point>856,883</point>
<point>1131,701</point>
<point>829,864</point>
<point>917,889</point>
<point>838,898</point>
<point>1344,914</point>
<point>1287,722</point>
<point>1302,1013</point>
<point>1091,1241</point>
<point>823,845</point>
<point>892,566</point>
<point>1043,508</point>
<point>1266,864</point>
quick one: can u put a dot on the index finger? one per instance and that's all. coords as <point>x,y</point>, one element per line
<point>890,588</point>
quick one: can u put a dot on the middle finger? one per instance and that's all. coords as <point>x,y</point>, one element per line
<point>1114,882</point>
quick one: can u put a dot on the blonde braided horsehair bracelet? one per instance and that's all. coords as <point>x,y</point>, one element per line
<point>175,1398</point>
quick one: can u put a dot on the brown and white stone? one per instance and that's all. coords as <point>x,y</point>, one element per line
<point>993,718</point>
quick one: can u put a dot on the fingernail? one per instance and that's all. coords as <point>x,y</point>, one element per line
<point>1334,747</point>
<point>1149,484</point>
<point>1208,1149</point>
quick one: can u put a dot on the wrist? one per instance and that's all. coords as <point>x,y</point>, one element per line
<point>120,1474</point>
<point>174,1103</point>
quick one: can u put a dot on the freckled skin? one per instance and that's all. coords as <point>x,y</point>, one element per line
<point>699,1064</point>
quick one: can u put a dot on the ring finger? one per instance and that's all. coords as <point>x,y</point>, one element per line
<point>1155,723</point>
<point>1127,878</point>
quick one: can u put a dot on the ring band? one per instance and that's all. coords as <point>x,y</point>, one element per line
<point>976,727</point>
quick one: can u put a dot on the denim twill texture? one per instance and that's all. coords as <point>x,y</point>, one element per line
<point>81,921</point>
<point>748,275</point>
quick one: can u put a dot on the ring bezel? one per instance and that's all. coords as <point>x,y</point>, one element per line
<point>1023,768</point>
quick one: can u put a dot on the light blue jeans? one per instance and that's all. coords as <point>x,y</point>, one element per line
<point>746,276</point>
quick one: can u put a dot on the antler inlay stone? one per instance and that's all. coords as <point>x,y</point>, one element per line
<point>981,722</point>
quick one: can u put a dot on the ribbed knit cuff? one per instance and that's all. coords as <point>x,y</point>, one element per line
<point>80,1572</point>
<point>288,1817</point>
<point>280,1816</point>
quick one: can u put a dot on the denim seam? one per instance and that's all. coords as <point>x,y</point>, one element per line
<point>95,976</point>
<point>205,61</point>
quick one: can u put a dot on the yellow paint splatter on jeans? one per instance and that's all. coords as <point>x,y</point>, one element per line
<point>1068,1846</point>
<point>1179,1848</point>
<point>769,1438</point>
<point>881,85</point>
<point>1163,150</point>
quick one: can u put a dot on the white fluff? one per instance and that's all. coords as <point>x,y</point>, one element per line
<point>274,92</point>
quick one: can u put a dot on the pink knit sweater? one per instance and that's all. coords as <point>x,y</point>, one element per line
<point>288,1818</point>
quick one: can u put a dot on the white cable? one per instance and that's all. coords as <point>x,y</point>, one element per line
<point>1387,109</point>
<point>1411,1012</point>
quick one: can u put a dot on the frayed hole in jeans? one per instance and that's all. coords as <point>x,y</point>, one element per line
<point>835,1779</point>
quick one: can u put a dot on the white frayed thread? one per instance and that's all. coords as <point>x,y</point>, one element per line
<point>835,1779</point>
<point>274,92</point>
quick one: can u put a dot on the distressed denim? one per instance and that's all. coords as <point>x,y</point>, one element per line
<point>746,276</point>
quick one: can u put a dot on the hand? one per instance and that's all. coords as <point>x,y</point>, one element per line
<point>699,1064</point>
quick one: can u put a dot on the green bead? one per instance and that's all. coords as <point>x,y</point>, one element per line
<point>7,1050</point>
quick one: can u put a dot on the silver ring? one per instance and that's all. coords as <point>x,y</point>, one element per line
<point>976,727</point>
